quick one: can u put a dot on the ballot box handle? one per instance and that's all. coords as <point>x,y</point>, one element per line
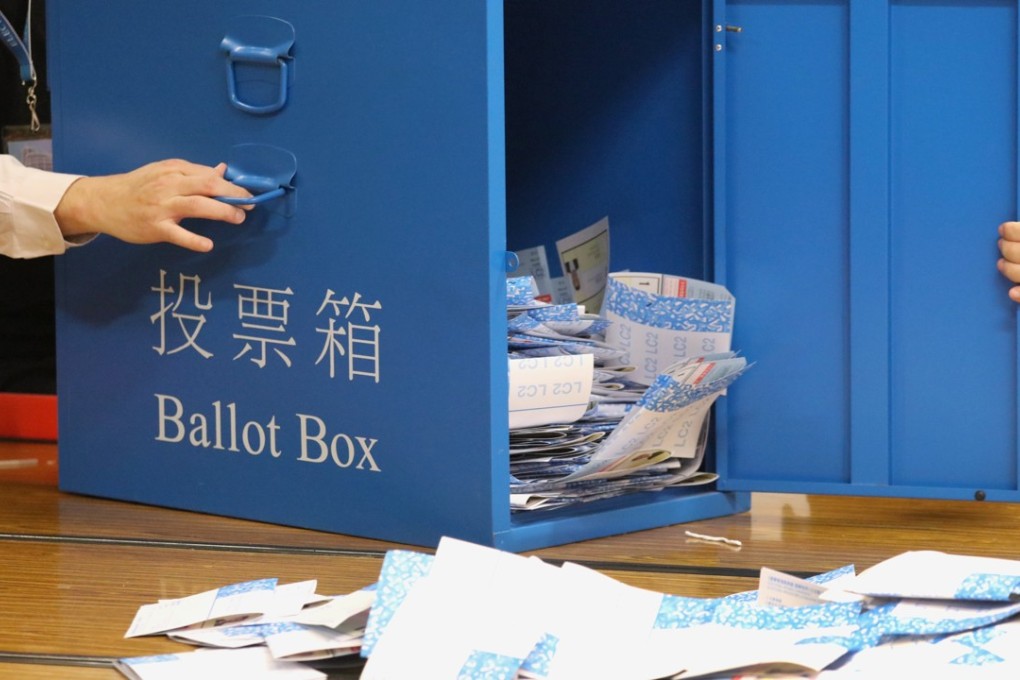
<point>262,45</point>
<point>256,199</point>
<point>266,171</point>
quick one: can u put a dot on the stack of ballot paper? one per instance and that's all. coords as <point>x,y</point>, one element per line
<point>582,426</point>
<point>276,625</point>
<point>471,612</point>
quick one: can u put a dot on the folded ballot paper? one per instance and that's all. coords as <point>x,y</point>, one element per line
<point>659,319</point>
<point>658,441</point>
<point>585,423</point>
<point>935,575</point>
<point>473,612</point>
<point>229,604</point>
<point>251,664</point>
<point>477,612</point>
<point>277,626</point>
<point>469,612</point>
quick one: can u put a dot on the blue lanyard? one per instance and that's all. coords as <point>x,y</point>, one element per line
<point>22,51</point>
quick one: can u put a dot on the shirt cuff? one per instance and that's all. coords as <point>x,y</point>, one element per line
<point>36,197</point>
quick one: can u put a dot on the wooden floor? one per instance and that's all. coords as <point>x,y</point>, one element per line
<point>73,570</point>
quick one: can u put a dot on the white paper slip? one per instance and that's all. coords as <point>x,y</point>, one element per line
<point>655,330</point>
<point>547,390</point>
<point>478,608</point>
<point>255,663</point>
<point>400,571</point>
<point>1001,641</point>
<point>348,613</point>
<point>585,259</point>
<point>286,640</point>
<point>670,286</point>
<point>338,610</point>
<point>290,598</point>
<point>929,574</point>
<point>223,637</point>
<point>233,603</point>
<point>712,650</point>
<point>523,501</point>
<point>296,642</point>
<point>985,654</point>
<point>940,617</point>
<point>669,421</point>
<point>776,589</point>
<point>599,623</point>
<point>622,465</point>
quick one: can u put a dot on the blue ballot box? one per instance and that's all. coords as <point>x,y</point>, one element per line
<point>339,362</point>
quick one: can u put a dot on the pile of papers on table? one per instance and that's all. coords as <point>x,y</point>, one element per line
<point>474,612</point>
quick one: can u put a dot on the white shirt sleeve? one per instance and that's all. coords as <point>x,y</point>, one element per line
<point>28,197</point>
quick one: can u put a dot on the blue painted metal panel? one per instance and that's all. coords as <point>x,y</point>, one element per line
<point>953,167</point>
<point>622,515</point>
<point>894,372</point>
<point>396,117</point>
<point>607,119</point>
<point>781,213</point>
<point>388,121</point>
<point>868,258</point>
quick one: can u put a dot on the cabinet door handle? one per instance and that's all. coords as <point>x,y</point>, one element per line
<point>262,42</point>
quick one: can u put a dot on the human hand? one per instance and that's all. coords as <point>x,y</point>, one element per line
<point>1009,263</point>
<point>146,205</point>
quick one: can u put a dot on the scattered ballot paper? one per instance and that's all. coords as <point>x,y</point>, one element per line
<point>285,640</point>
<point>935,575</point>
<point>475,612</point>
<point>342,610</point>
<point>479,612</point>
<point>233,603</point>
<point>274,625</point>
<point>251,664</point>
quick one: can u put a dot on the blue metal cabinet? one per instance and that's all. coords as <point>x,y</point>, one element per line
<point>865,154</point>
<point>338,362</point>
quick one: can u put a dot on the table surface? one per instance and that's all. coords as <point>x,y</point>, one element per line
<point>75,569</point>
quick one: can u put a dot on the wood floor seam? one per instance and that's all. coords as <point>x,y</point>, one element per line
<point>43,659</point>
<point>191,545</point>
<point>599,565</point>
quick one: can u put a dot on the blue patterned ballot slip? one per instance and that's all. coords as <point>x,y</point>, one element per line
<point>657,320</point>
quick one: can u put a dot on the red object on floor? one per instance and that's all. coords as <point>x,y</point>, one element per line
<point>28,416</point>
